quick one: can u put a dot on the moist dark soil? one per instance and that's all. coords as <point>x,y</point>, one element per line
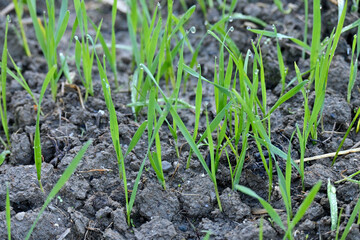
<point>91,205</point>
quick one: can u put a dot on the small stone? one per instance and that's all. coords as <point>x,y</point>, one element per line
<point>183,228</point>
<point>166,166</point>
<point>20,216</point>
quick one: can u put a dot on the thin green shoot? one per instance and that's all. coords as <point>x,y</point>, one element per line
<point>351,220</point>
<point>306,16</point>
<point>65,68</point>
<point>275,216</point>
<point>212,160</point>
<point>19,9</point>
<point>316,35</point>
<point>49,35</point>
<point>345,136</point>
<point>3,155</point>
<point>285,183</point>
<point>3,108</point>
<point>355,6</point>
<point>180,124</point>
<point>338,224</point>
<point>207,235</point>
<point>353,66</point>
<point>331,192</point>
<point>112,61</point>
<point>261,229</point>
<point>283,70</point>
<point>270,210</point>
<point>280,6</point>
<point>37,142</point>
<point>155,157</point>
<point>7,210</point>
<point>83,53</point>
<point>203,7</point>
<point>21,80</point>
<point>60,183</point>
<point>114,130</point>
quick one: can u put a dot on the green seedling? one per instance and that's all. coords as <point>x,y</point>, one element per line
<point>3,155</point>
<point>161,61</point>
<point>249,103</point>
<point>110,53</point>
<point>21,80</point>
<point>37,143</point>
<point>275,216</point>
<point>155,157</point>
<point>350,221</point>
<point>83,53</point>
<point>331,192</point>
<point>346,135</point>
<point>285,184</point>
<point>19,10</point>
<point>114,129</point>
<point>212,159</point>
<point>306,15</point>
<point>181,126</point>
<point>353,64</point>
<point>49,35</point>
<point>261,229</point>
<point>7,211</point>
<point>3,108</point>
<point>60,183</point>
<point>283,70</point>
<point>280,6</point>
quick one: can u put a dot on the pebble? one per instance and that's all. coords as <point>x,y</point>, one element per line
<point>20,216</point>
<point>166,166</point>
<point>183,228</point>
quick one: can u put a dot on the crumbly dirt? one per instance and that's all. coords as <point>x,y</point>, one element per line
<point>91,205</point>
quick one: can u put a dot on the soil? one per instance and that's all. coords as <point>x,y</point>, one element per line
<point>92,203</point>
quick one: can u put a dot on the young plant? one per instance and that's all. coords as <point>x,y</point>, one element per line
<point>275,216</point>
<point>350,221</point>
<point>110,53</point>
<point>3,109</point>
<point>353,64</point>
<point>320,75</point>
<point>37,142</point>
<point>212,159</point>
<point>346,135</point>
<point>306,13</point>
<point>83,53</point>
<point>160,62</point>
<point>50,34</point>
<point>283,70</point>
<point>20,79</point>
<point>60,183</point>
<point>181,126</point>
<point>155,157</point>
<point>280,6</point>
<point>114,129</point>
<point>7,211</point>
<point>331,192</point>
<point>19,9</point>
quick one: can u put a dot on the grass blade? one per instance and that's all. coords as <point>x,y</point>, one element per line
<point>3,110</point>
<point>351,220</point>
<point>60,183</point>
<point>304,206</point>
<point>331,192</point>
<point>270,210</point>
<point>37,142</point>
<point>7,207</point>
